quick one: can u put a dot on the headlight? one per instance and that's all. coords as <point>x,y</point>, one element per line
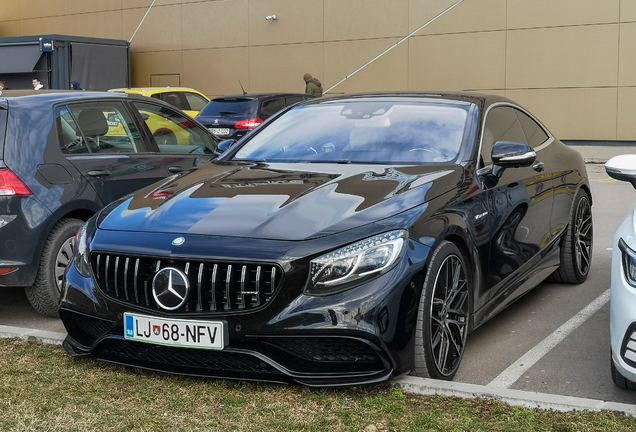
<point>82,251</point>
<point>629,262</point>
<point>352,264</point>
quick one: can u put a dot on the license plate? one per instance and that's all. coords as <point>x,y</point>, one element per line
<point>176,332</point>
<point>220,131</point>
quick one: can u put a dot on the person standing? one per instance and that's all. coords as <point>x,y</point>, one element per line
<point>312,85</point>
<point>1,86</point>
<point>75,85</point>
<point>37,85</point>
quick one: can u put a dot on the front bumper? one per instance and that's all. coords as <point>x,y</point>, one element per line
<point>363,335</point>
<point>623,305</point>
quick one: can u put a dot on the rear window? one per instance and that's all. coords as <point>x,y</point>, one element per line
<point>231,107</point>
<point>3,128</point>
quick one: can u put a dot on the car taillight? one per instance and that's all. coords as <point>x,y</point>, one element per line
<point>11,185</point>
<point>248,123</point>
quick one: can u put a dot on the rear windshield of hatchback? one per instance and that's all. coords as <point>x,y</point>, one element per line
<point>230,107</point>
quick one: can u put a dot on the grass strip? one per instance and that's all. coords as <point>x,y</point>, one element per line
<point>44,389</point>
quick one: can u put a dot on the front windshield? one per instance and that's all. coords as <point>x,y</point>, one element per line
<point>362,131</point>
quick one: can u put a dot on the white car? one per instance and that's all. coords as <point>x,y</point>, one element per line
<point>623,283</point>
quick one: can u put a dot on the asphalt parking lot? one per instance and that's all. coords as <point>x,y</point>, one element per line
<point>523,347</point>
<point>553,340</point>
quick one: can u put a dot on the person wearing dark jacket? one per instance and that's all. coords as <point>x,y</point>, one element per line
<point>312,85</point>
<point>75,85</point>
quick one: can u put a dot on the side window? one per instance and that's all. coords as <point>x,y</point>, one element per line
<point>501,124</point>
<point>97,127</point>
<point>173,133</point>
<point>534,133</point>
<point>290,100</point>
<point>195,101</point>
<point>173,99</point>
<point>272,106</point>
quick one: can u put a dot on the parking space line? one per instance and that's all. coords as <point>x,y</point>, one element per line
<point>513,372</point>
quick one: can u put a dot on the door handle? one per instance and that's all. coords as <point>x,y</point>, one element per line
<point>538,166</point>
<point>98,173</point>
<point>175,169</point>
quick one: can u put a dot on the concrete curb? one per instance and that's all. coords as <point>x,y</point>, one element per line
<point>421,386</point>
<point>595,161</point>
<point>47,337</point>
<point>543,401</point>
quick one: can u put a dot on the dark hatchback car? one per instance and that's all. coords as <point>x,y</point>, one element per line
<point>347,240</point>
<point>63,156</point>
<point>232,117</point>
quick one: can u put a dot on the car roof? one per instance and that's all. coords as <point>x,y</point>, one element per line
<point>481,100</point>
<point>57,97</point>
<point>257,95</point>
<point>155,90</point>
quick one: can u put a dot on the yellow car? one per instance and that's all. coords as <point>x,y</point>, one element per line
<point>186,99</point>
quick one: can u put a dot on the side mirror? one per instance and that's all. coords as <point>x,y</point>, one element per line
<point>224,145</point>
<point>508,154</point>
<point>623,168</point>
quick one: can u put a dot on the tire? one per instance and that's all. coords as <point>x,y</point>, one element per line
<point>165,137</point>
<point>442,316</point>
<point>45,293</point>
<point>620,380</point>
<point>576,246</point>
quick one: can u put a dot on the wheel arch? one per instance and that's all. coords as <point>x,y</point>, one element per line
<point>460,236</point>
<point>462,244</point>
<point>79,211</point>
<point>586,187</point>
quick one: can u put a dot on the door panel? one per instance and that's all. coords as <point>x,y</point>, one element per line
<point>102,141</point>
<point>113,176</point>
<point>520,202</point>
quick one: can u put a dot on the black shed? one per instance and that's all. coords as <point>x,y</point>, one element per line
<point>56,60</point>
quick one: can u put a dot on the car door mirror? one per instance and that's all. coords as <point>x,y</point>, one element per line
<point>508,154</point>
<point>623,168</point>
<point>224,145</point>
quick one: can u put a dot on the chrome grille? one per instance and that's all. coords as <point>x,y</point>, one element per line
<point>214,286</point>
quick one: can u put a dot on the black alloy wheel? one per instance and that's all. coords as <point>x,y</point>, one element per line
<point>576,246</point>
<point>583,235</point>
<point>442,321</point>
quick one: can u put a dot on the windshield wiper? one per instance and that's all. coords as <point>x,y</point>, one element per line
<point>344,161</point>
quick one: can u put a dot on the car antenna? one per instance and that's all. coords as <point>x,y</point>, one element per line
<point>244,92</point>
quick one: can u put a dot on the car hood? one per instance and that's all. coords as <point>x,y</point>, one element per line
<point>279,201</point>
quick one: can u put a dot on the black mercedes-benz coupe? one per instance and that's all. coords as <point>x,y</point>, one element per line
<point>346,241</point>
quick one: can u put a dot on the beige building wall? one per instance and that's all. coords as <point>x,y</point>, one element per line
<point>571,62</point>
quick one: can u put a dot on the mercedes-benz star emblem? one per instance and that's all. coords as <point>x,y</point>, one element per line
<point>170,288</point>
<point>178,241</point>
